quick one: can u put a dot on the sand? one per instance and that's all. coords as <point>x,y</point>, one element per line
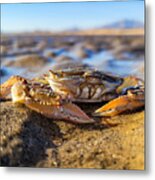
<point>30,139</point>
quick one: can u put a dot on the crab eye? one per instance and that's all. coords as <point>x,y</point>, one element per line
<point>53,74</point>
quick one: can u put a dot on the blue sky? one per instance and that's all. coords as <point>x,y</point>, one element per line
<point>62,16</point>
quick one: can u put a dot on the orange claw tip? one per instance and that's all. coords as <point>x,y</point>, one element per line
<point>74,114</point>
<point>108,112</point>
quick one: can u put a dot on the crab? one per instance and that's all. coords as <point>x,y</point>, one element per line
<point>56,93</point>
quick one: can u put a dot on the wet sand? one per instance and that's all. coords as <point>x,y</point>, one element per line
<point>30,139</point>
<point>33,56</point>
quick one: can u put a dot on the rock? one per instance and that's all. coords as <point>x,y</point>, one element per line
<point>6,41</point>
<point>53,53</point>
<point>50,54</point>
<point>31,62</point>
<point>24,42</point>
<point>41,45</point>
<point>64,58</point>
<point>80,51</point>
<point>30,139</point>
<point>69,64</point>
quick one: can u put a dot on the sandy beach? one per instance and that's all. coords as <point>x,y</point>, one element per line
<point>30,139</point>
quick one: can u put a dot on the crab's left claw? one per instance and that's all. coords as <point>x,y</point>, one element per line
<point>42,99</point>
<point>68,111</point>
<point>133,100</point>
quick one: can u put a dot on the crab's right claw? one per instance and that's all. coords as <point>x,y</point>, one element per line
<point>5,88</point>
<point>133,100</point>
<point>118,106</point>
<point>67,111</point>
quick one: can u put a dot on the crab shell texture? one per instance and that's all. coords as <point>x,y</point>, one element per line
<point>84,85</point>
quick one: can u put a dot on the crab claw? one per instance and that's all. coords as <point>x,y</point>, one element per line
<point>67,111</point>
<point>120,105</point>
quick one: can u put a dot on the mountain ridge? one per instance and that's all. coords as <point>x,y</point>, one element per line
<point>125,24</point>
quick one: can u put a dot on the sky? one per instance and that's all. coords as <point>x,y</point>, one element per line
<point>63,16</point>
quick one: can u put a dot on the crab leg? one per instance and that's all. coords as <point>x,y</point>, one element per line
<point>67,111</point>
<point>122,104</point>
<point>5,88</point>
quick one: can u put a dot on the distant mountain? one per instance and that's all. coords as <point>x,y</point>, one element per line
<point>74,29</point>
<point>125,24</point>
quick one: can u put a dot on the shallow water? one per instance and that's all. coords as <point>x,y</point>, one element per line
<point>103,60</point>
<point>106,62</point>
